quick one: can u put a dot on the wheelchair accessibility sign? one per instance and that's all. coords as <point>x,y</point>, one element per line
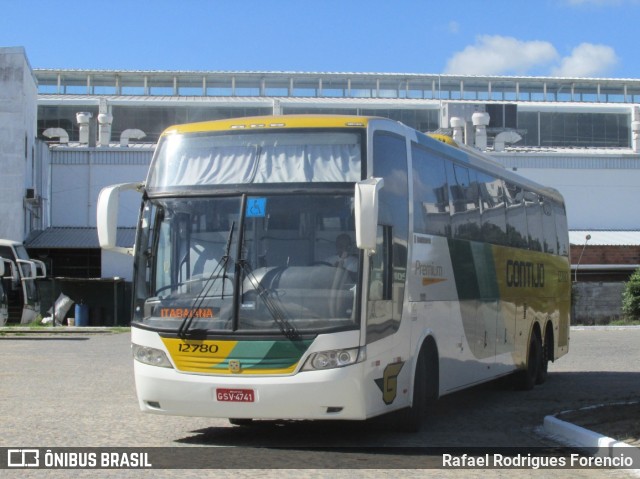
<point>256,207</point>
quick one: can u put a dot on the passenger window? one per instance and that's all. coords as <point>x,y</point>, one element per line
<point>534,220</point>
<point>516,217</point>
<point>494,221</point>
<point>465,203</point>
<point>561,229</point>
<point>390,163</point>
<point>431,205</point>
<point>550,244</point>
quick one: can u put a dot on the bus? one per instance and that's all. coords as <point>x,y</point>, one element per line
<point>336,267</point>
<point>4,305</point>
<point>19,282</point>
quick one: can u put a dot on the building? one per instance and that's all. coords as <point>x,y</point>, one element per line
<point>85,129</point>
<point>20,168</point>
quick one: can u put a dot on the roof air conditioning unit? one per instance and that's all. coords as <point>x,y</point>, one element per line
<point>31,196</point>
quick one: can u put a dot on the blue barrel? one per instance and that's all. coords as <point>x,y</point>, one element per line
<point>82,315</point>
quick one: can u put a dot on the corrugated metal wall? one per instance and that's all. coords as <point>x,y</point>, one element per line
<point>99,156</point>
<point>570,162</point>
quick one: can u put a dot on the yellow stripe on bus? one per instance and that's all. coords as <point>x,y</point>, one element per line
<point>269,122</point>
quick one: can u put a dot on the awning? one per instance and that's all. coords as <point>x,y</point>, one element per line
<point>71,237</point>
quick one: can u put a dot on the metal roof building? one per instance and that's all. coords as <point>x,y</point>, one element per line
<point>605,237</point>
<point>578,135</point>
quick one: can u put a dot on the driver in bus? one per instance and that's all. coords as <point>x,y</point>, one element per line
<point>343,257</point>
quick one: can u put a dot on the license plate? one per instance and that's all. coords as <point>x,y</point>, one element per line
<point>235,395</point>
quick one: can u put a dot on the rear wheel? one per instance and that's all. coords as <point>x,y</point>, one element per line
<point>545,356</point>
<point>527,378</point>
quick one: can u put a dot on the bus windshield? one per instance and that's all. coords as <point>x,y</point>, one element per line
<point>188,161</point>
<point>263,264</point>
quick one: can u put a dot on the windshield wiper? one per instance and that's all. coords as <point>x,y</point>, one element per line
<point>278,315</point>
<point>199,300</point>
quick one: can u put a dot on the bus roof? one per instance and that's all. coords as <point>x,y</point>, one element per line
<point>266,122</point>
<point>448,145</point>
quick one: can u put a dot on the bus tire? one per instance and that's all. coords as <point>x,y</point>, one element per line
<point>546,352</point>
<point>425,391</point>
<point>526,379</point>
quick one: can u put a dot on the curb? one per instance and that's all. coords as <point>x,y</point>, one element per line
<point>600,446</point>
<point>580,436</point>
<point>60,330</point>
<point>579,327</point>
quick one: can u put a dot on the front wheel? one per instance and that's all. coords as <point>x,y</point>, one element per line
<point>425,392</point>
<point>411,418</point>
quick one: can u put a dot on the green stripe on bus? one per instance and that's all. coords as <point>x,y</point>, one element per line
<point>266,354</point>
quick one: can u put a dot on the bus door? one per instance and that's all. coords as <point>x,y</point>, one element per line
<point>388,345</point>
<point>388,266</point>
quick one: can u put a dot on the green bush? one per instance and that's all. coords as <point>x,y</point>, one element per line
<point>631,297</point>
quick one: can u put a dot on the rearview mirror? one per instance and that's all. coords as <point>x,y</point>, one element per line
<point>107,216</point>
<point>366,212</point>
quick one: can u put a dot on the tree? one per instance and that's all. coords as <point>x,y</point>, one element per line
<point>631,297</point>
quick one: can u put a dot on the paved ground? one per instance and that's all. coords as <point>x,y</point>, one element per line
<point>77,390</point>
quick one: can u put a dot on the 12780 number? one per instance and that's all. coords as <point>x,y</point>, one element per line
<point>198,348</point>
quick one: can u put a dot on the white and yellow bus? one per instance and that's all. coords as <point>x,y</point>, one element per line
<point>335,267</point>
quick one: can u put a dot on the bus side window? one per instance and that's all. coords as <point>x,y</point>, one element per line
<point>390,163</point>
<point>561,229</point>
<point>517,234</point>
<point>465,203</point>
<point>145,244</point>
<point>430,192</point>
<point>494,221</point>
<point>550,244</point>
<point>534,220</point>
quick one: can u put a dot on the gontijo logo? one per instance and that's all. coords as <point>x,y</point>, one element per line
<point>524,274</point>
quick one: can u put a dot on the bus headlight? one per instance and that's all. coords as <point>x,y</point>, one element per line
<point>151,356</point>
<point>335,358</point>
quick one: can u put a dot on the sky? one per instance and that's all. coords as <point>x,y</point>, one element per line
<point>569,38</point>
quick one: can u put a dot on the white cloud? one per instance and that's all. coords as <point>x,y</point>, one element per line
<point>587,60</point>
<point>597,2</point>
<point>454,27</point>
<point>498,55</point>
